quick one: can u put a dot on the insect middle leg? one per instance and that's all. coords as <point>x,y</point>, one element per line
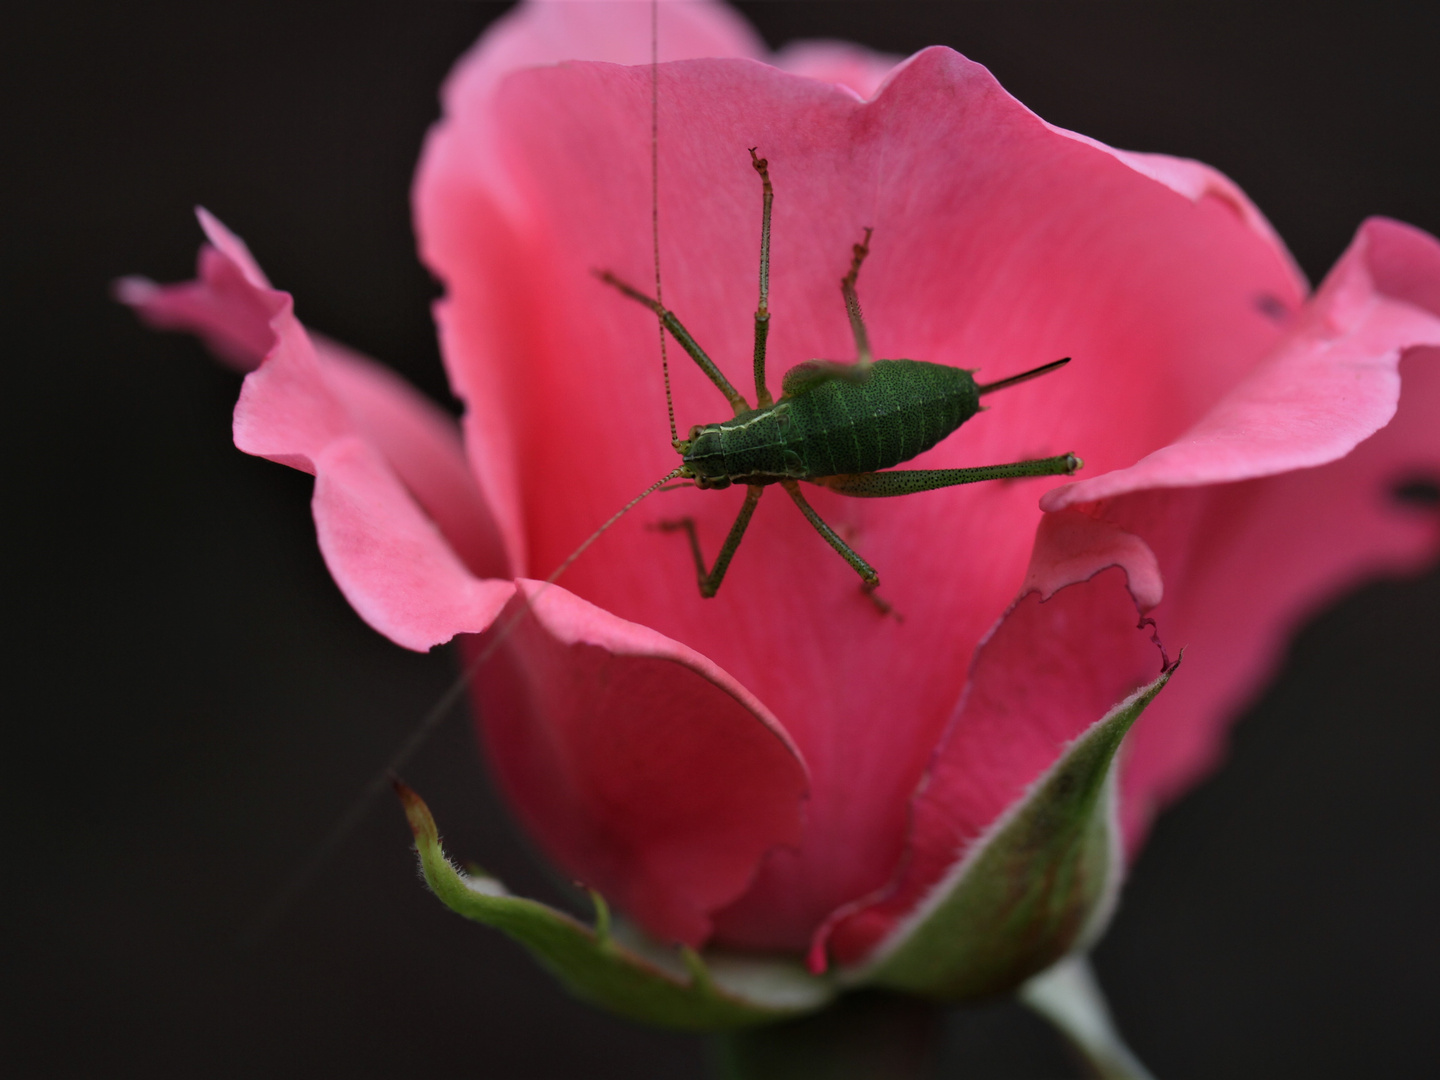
<point>709,580</point>
<point>861,567</point>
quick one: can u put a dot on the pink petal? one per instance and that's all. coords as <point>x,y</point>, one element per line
<point>999,243</point>
<point>861,70</point>
<point>227,305</point>
<point>1048,671</point>
<point>1197,181</point>
<point>644,770</point>
<point>1245,561</point>
<point>615,31</point>
<point>421,444</point>
<point>1071,547</point>
<point>463,193</point>
<point>388,558</point>
<point>375,445</point>
<point>1330,383</point>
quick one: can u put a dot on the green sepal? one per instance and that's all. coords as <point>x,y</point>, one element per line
<point>1039,886</point>
<point>613,966</point>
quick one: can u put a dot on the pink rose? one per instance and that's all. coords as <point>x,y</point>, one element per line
<point>782,769</point>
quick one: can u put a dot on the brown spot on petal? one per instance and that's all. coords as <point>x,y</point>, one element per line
<point>1417,492</point>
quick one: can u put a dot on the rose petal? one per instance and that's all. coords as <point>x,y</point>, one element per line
<point>388,558</point>
<point>1329,384</point>
<point>375,445</point>
<point>421,443</point>
<point>644,770</point>
<point>615,31</point>
<point>465,199</point>
<point>998,243</point>
<point>853,66</point>
<point>1245,562</point>
<point>1048,671</point>
<point>228,304</point>
<point>1071,547</point>
<point>1197,181</point>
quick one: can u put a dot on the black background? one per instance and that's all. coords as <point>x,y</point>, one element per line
<point>191,702</point>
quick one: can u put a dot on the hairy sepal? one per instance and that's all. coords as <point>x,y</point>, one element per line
<point>1037,887</point>
<point>614,966</point>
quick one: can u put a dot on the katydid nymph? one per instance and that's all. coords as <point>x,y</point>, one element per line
<point>836,425</point>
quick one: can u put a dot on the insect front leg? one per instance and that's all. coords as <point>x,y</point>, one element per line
<point>709,580</point>
<point>680,334</point>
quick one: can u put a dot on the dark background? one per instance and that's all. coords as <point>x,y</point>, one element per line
<point>192,703</point>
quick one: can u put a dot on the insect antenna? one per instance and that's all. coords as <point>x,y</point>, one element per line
<point>300,880</point>
<point>655,203</point>
<point>1024,376</point>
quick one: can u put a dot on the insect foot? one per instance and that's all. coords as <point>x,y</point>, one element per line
<point>687,524</point>
<point>881,604</point>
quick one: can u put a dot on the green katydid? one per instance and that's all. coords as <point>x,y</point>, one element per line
<point>837,425</point>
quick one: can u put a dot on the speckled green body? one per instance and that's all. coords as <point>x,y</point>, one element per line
<point>836,427</point>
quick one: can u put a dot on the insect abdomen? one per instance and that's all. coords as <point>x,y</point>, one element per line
<point>903,408</point>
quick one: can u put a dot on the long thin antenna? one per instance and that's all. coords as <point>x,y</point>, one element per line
<point>380,783</point>
<point>655,201</point>
<point>1024,376</point>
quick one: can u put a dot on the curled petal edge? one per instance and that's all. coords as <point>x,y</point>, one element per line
<point>1331,383</point>
<point>401,523</point>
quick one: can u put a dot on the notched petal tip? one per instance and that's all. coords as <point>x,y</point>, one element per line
<point>1071,547</point>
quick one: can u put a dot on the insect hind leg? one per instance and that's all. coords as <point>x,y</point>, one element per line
<point>893,482</point>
